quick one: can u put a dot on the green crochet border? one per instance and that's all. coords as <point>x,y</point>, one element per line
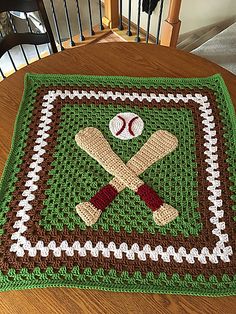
<point>111,281</point>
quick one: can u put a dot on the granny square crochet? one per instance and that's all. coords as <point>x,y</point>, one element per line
<point>44,242</point>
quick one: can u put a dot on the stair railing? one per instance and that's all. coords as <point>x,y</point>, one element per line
<point>167,31</point>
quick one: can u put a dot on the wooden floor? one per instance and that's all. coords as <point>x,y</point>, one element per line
<point>106,59</point>
<point>73,301</point>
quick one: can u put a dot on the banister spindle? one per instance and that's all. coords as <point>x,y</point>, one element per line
<point>171,26</point>
<point>15,30</point>
<point>148,21</point>
<point>120,26</point>
<point>137,38</point>
<point>129,33</point>
<point>56,25</point>
<point>90,19</point>
<point>159,21</point>
<point>12,61</point>
<point>100,15</point>
<point>81,36</point>
<point>72,43</point>
<point>30,29</point>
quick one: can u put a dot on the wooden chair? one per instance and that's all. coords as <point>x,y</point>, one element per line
<point>10,40</point>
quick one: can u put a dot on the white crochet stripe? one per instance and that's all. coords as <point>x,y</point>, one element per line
<point>203,255</point>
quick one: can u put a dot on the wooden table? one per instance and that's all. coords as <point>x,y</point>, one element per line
<point>106,59</point>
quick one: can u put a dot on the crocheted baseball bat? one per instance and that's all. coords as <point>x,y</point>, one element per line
<point>158,145</point>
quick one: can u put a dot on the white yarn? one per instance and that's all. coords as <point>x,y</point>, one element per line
<point>124,119</point>
<point>203,255</point>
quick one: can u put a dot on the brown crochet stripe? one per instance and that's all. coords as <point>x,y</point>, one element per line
<point>83,236</point>
<point>200,159</point>
<point>39,193</point>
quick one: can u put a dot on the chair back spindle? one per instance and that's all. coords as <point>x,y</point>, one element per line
<point>15,31</point>
<point>23,10</point>
<point>30,30</point>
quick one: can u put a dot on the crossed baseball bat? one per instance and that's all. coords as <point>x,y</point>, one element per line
<point>157,146</point>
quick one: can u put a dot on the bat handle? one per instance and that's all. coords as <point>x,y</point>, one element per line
<point>104,197</point>
<point>150,197</point>
<point>162,212</point>
<point>90,211</point>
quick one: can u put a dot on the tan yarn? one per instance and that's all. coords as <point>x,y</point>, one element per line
<point>165,214</point>
<point>94,143</point>
<point>158,145</point>
<point>88,213</point>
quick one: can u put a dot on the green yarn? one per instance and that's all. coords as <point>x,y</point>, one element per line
<point>58,211</point>
<point>112,281</point>
<point>12,167</point>
<point>126,211</point>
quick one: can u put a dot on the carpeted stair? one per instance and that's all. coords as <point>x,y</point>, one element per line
<point>221,49</point>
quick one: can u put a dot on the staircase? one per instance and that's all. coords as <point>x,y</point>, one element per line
<point>196,38</point>
<point>220,49</point>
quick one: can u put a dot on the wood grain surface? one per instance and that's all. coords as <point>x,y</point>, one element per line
<point>106,59</point>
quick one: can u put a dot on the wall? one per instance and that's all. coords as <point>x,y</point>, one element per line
<point>194,13</point>
<point>199,13</point>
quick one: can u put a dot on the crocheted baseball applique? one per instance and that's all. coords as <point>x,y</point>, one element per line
<point>126,125</point>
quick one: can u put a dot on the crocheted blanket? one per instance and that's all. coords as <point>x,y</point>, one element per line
<point>122,184</point>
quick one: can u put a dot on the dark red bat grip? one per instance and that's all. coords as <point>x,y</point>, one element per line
<point>104,197</point>
<point>150,197</point>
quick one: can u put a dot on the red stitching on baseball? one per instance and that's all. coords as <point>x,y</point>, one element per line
<point>130,125</point>
<point>123,126</point>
